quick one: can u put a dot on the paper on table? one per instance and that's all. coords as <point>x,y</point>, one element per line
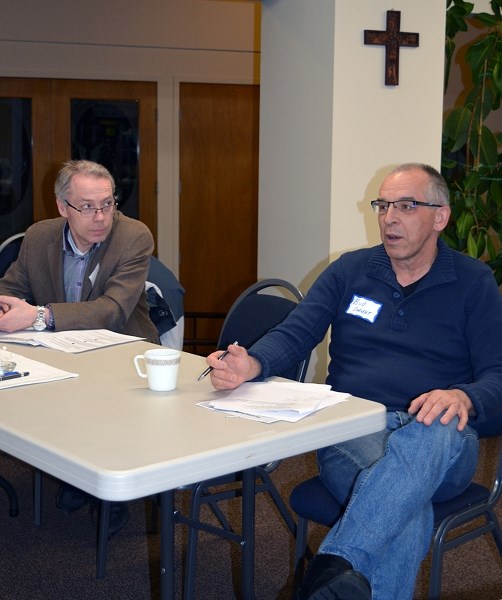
<point>276,401</point>
<point>38,373</point>
<point>79,340</point>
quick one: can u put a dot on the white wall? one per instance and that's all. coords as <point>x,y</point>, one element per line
<point>153,40</point>
<point>330,128</point>
<point>296,121</point>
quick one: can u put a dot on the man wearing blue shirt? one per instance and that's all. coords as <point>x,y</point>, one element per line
<point>417,327</point>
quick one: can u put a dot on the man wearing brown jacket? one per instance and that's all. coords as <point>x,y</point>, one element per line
<point>83,270</point>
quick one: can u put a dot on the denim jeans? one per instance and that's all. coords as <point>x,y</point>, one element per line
<point>388,481</point>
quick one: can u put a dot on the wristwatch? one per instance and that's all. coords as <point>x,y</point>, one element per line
<point>39,324</point>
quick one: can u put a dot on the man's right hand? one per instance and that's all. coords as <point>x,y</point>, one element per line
<point>236,368</point>
<point>16,314</point>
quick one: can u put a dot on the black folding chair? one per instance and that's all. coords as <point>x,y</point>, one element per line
<point>311,501</point>
<point>251,316</point>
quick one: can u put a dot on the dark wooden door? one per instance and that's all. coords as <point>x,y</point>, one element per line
<point>219,126</point>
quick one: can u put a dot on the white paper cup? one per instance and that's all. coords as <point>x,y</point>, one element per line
<point>161,368</point>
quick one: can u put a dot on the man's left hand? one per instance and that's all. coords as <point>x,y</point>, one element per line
<point>446,403</point>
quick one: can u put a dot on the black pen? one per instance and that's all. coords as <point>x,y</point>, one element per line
<point>209,369</point>
<point>13,375</point>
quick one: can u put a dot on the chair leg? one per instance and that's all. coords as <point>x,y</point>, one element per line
<point>218,513</point>
<point>155,513</point>
<point>435,576</point>
<point>11,494</point>
<point>104,519</point>
<point>300,551</point>
<point>199,496</point>
<point>269,486</point>
<point>37,496</point>
<point>496,530</point>
<point>193,538</point>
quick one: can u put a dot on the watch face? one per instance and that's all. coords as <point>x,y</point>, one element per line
<point>39,325</point>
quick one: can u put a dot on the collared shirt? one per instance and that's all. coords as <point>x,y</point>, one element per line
<point>74,266</point>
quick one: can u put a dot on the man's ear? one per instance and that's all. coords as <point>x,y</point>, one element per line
<point>62,207</point>
<point>441,217</point>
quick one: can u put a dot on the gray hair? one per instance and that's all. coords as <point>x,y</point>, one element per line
<point>79,167</point>
<point>437,189</point>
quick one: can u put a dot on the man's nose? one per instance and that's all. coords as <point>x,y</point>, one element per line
<point>391,214</point>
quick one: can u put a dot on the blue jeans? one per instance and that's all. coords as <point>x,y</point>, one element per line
<point>388,481</point>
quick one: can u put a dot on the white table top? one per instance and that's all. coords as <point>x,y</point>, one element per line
<point>107,434</point>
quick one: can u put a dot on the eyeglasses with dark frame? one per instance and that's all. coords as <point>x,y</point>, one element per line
<point>89,211</point>
<point>404,205</point>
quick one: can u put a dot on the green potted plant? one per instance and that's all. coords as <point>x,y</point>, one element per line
<point>471,158</point>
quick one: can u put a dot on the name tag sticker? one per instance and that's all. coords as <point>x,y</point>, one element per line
<point>364,308</point>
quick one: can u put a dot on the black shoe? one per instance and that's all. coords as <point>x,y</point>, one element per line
<point>69,499</point>
<point>331,577</point>
<point>349,585</point>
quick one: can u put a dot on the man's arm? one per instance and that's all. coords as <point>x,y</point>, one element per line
<point>478,401</point>
<point>112,301</point>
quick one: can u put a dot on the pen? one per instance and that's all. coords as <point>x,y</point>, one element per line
<point>209,369</point>
<point>13,375</point>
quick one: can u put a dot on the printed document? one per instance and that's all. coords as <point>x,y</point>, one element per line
<point>78,340</point>
<point>271,401</point>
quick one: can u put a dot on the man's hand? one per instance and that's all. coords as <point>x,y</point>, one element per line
<point>236,368</point>
<point>430,405</point>
<point>16,314</point>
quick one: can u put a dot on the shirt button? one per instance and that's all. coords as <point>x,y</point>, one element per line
<point>396,295</point>
<point>400,313</point>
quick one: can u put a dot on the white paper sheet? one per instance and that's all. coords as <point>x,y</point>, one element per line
<point>38,373</point>
<point>270,401</point>
<point>79,340</point>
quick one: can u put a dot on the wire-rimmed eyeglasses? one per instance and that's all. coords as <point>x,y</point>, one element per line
<point>405,205</point>
<point>89,211</point>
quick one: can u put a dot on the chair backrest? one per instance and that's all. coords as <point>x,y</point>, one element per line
<point>9,250</point>
<point>166,281</point>
<point>166,308</point>
<point>253,314</point>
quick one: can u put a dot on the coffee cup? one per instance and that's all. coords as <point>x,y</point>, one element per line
<point>161,368</point>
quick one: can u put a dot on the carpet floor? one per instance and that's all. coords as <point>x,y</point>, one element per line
<point>57,559</point>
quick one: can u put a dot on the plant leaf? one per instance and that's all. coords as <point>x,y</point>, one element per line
<point>496,6</point>
<point>497,76</point>
<point>481,243</point>
<point>487,19</point>
<point>488,152</point>
<point>465,222</point>
<point>472,247</point>
<point>471,183</point>
<point>456,127</point>
<point>478,54</point>
<point>490,247</point>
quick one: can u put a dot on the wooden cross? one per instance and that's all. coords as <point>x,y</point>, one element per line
<point>392,39</point>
